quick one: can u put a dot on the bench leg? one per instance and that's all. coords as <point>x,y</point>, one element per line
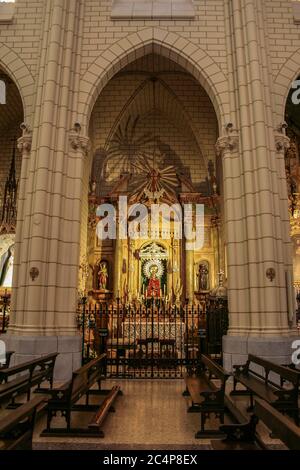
<point>251,407</point>
<point>68,419</point>
<point>49,419</point>
<point>202,421</point>
<point>234,384</point>
<point>296,417</point>
<point>209,433</point>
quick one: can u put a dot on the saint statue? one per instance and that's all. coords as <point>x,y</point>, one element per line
<point>203,277</point>
<point>153,289</point>
<point>103,276</point>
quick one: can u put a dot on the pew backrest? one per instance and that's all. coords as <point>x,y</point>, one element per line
<point>282,427</point>
<point>285,373</point>
<point>42,363</point>
<point>215,370</point>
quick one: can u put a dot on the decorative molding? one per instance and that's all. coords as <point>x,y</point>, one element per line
<point>282,141</point>
<point>24,142</point>
<point>34,273</point>
<point>296,12</point>
<point>229,142</point>
<point>271,274</point>
<point>79,142</point>
<point>7,11</point>
<point>153,9</point>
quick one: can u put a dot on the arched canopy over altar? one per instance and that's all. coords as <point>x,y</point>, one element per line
<point>155,148</point>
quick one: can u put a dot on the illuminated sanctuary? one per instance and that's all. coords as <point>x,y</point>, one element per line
<point>169,105</point>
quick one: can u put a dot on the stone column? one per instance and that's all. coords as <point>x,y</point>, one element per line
<point>219,257</point>
<point>256,236</point>
<point>24,146</point>
<point>228,148</point>
<point>189,270</point>
<point>44,301</point>
<point>131,268</point>
<point>282,144</point>
<point>118,268</point>
<point>189,266</point>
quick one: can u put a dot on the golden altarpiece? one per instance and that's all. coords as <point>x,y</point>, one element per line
<point>156,264</point>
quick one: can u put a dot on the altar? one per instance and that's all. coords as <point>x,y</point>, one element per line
<point>155,332</point>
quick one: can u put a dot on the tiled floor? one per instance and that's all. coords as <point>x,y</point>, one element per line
<point>150,415</point>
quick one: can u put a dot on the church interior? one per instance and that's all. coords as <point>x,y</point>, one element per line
<point>192,345</point>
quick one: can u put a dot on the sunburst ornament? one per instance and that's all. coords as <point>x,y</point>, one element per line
<point>154,183</point>
<point>148,267</point>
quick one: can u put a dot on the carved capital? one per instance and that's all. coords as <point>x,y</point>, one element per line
<point>79,142</point>
<point>282,142</point>
<point>228,143</point>
<point>24,142</point>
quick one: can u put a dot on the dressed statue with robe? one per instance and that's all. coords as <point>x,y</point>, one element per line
<point>153,289</point>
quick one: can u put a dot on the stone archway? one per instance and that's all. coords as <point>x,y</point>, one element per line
<point>13,65</point>
<point>287,74</point>
<point>171,45</point>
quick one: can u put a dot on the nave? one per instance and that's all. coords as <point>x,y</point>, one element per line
<point>150,415</point>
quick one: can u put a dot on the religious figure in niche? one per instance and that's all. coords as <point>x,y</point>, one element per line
<point>103,276</point>
<point>153,289</point>
<point>154,271</point>
<point>203,277</point>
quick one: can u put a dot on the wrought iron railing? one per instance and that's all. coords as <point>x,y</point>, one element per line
<point>154,341</point>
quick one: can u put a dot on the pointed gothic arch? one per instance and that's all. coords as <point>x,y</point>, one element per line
<point>190,56</point>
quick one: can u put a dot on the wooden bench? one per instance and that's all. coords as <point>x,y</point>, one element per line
<point>241,433</point>
<point>24,377</point>
<point>16,429</point>
<point>283,399</point>
<point>65,398</point>
<point>294,368</point>
<point>279,424</point>
<point>207,397</point>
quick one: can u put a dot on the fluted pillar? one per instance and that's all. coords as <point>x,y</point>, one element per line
<point>189,264</point>
<point>118,269</point>
<point>255,217</point>
<point>43,317</point>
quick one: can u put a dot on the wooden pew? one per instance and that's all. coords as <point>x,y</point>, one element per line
<point>283,399</point>
<point>294,368</point>
<point>241,433</point>
<point>26,376</point>
<point>16,429</point>
<point>207,397</point>
<point>106,406</point>
<point>280,425</point>
<point>65,398</point>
